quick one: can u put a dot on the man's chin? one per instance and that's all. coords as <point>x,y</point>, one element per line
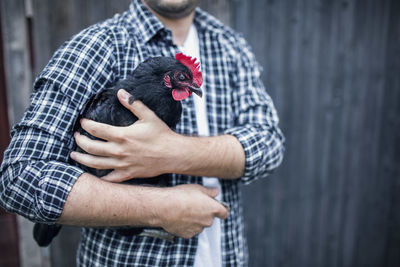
<point>172,9</point>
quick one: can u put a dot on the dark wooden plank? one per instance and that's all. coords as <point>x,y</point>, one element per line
<point>373,199</point>
<point>4,123</point>
<point>8,241</point>
<point>389,167</point>
<point>8,227</point>
<point>221,9</point>
<point>16,59</point>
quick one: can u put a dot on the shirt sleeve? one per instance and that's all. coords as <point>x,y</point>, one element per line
<point>35,176</point>
<point>256,119</point>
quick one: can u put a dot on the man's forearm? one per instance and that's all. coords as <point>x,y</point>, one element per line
<point>183,210</point>
<point>218,156</point>
<point>93,202</point>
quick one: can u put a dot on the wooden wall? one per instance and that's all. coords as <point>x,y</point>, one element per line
<point>333,70</point>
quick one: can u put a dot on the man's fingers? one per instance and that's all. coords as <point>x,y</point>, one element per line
<point>210,191</point>
<point>100,130</point>
<point>222,209</point>
<point>116,176</point>
<point>135,106</point>
<point>222,213</point>
<point>95,147</point>
<point>101,163</point>
<point>226,205</point>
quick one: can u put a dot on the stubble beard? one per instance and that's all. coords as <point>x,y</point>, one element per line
<point>173,9</point>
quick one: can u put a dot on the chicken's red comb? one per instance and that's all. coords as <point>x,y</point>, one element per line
<point>193,66</point>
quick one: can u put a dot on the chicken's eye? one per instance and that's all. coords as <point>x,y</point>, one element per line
<point>181,77</point>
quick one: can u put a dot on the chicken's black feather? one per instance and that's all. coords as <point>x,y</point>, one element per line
<point>145,84</point>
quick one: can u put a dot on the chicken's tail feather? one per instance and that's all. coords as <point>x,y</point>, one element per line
<point>44,233</point>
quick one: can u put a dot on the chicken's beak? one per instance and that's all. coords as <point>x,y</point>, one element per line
<point>195,89</point>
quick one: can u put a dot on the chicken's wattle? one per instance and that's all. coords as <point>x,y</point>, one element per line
<point>181,94</point>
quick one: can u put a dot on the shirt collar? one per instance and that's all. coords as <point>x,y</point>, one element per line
<point>147,25</point>
<point>203,22</point>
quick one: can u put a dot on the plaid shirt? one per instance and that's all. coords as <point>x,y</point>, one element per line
<point>36,176</point>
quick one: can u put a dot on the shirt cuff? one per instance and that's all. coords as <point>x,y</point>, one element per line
<point>263,150</point>
<point>249,140</point>
<point>57,180</point>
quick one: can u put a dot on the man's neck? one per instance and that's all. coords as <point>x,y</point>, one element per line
<point>179,27</point>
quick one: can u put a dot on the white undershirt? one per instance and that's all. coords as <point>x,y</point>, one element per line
<point>208,252</point>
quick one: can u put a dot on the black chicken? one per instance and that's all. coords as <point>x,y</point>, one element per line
<point>160,83</point>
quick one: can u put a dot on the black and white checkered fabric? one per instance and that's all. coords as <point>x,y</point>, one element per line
<point>36,177</point>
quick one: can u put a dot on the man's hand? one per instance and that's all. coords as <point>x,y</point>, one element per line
<point>140,150</point>
<point>192,209</point>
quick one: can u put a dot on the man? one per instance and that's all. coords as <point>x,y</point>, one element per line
<point>38,183</point>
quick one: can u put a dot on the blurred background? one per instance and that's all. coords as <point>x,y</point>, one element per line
<point>333,70</point>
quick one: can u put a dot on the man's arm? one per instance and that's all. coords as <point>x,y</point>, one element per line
<point>181,210</point>
<point>218,156</point>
